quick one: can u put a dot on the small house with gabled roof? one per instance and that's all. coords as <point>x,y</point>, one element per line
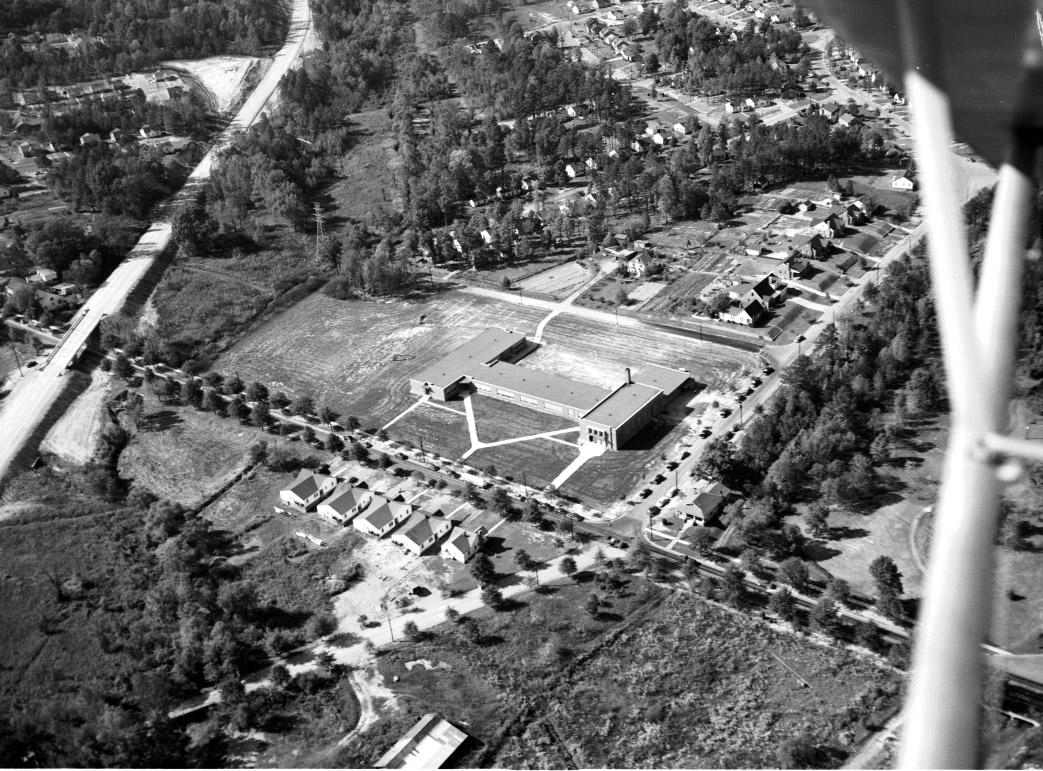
<point>421,534</point>
<point>382,516</point>
<point>345,504</point>
<point>462,544</point>
<point>307,489</point>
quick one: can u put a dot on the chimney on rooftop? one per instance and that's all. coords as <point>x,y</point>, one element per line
<point>629,381</point>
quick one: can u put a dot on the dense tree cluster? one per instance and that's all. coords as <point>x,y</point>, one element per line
<point>764,58</point>
<point>821,429</point>
<point>137,34</point>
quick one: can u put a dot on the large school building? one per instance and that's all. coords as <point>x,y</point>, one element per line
<point>487,364</point>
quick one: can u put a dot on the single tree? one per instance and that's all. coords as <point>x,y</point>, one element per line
<point>327,415</point>
<point>231,385</point>
<point>794,571</point>
<point>782,604</point>
<point>732,586</point>
<point>500,501</point>
<point>260,415</point>
<point>492,597</point>
<point>303,405</point>
<point>411,630</point>
<point>824,616</point>
<point>257,392</point>
<point>482,569</point>
<point>568,566</point>
<point>838,590</point>
<point>334,443</point>
<point>592,605</point>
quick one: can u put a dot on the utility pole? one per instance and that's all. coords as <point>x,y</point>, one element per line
<point>320,231</point>
<point>19,363</point>
<point>423,456</point>
<point>525,486</point>
<point>391,629</point>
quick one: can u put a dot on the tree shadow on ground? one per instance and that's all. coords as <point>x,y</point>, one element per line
<point>817,551</point>
<point>844,533</point>
<point>159,421</point>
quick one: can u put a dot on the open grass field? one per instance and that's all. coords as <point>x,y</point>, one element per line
<point>357,355</point>
<point>540,459</point>
<point>185,455</point>
<point>363,180</point>
<point>497,420</point>
<point>588,350</point>
<point>442,432</point>
<point>656,680</point>
<point>559,281</point>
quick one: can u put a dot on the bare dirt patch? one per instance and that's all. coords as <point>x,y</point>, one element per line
<point>560,281</point>
<point>75,436</point>
<point>221,76</point>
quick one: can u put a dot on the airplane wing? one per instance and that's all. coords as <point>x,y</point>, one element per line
<point>990,60</point>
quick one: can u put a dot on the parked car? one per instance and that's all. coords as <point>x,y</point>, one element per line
<point>705,433</point>
<point>725,412</point>
<point>645,493</point>
<point>672,465</point>
<point>757,381</point>
<point>653,510</point>
<point>685,455</point>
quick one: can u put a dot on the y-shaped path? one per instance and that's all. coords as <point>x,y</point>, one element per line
<point>538,337</point>
<point>478,444</point>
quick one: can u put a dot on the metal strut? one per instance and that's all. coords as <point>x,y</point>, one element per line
<point>979,339</point>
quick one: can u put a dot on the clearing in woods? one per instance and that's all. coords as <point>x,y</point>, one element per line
<point>182,454</point>
<point>559,282</point>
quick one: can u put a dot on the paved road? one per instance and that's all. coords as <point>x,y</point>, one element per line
<point>36,394</point>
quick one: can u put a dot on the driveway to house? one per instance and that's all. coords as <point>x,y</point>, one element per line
<point>36,395</point>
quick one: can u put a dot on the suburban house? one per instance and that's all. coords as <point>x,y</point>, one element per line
<point>307,489</point>
<point>637,266</point>
<point>428,744</point>
<point>382,516</point>
<point>811,246</point>
<point>760,291</point>
<point>749,314</point>
<point>828,225</point>
<point>422,533</point>
<point>706,506</point>
<point>847,120</point>
<point>90,139</point>
<point>346,502</point>
<point>571,171</point>
<point>42,275</point>
<point>7,192</point>
<point>65,289</point>
<point>462,544</point>
<point>903,182</point>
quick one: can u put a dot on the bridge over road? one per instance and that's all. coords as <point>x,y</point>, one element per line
<point>35,397</point>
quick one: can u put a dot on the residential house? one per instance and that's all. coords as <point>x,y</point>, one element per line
<point>462,544</point>
<point>591,164</point>
<point>629,51</point>
<point>90,139</point>
<point>382,516</point>
<point>811,246</point>
<point>307,489</point>
<point>830,110</point>
<point>903,182</point>
<point>847,120</point>
<point>652,127</point>
<point>41,275</point>
<point>422,534</point>
<point>428,744</point>
<point>750,103</point>
<point>345,503</point>
<point>637,266</point>
<point>65,289</point>
<point>595,5</point>
<point>749,315</point>
<point>7,192</point>
<point>828,225</point>
<point>26,150</point>
<point>658,139</point>
<point>116,135</point>
<point>679,129</point>
<point>571,171</point>
<point>729,107</point>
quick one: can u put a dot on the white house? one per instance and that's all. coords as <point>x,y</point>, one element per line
<point>658,138</point>
<point>748,315</point>
<point>571,171</point>
<point>345,503</point>
<point>382,516</point>
<point>680,129</point>
<point>637,266</point>
<point>419,535</point>
<point>42,275</point>
<point>903,182</point>
<point>462,544</point>
<point>307,489</point>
